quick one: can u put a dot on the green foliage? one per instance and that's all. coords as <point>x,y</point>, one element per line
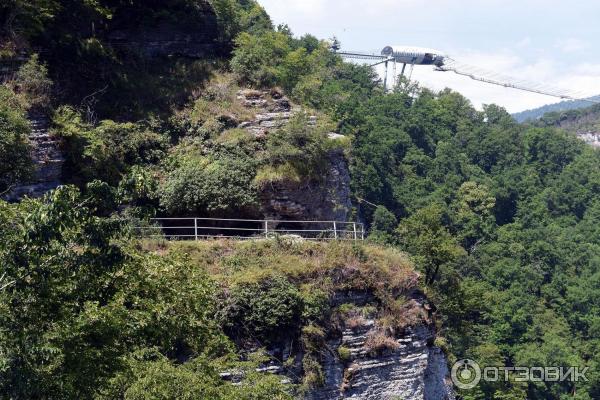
<point>15,160</point>
<point>498,216</point>
<point>304,67</point>
<point>298,150</point>
<point>425,237</point>
<point>264,311</point>
<point>85,315</point>
<point>32,85</point>
<point>236,16</point>
<point>105,151</point>
<point>344,354</point>
<point>209,185</point>
<point>256,57</point>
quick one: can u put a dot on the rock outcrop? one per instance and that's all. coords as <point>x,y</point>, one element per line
<point>412,369</point>
<point>192,34</point>
<point>168,40</point>
<point>326,199</point>
<point>47,157</point>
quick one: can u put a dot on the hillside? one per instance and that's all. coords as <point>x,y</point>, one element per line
<point>584,122</point>
<point>483,235</point>
<point>537,113</point>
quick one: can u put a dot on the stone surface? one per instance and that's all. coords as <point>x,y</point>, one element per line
<point>171,38</point>
<point>326,199</point>
<point>416,370</point>
<point>48,160</point>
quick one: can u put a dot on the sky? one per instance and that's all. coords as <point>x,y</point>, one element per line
<point>550,42</point>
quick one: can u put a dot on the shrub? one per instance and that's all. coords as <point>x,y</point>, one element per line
<point>209,185</point>
<point>384,220</point>
<point>316,304</point>
<point>344,354</point>
<point>298,150</point>
<point>256,57</point>
<point>32,85</point>
<point>266,310</point>
<point>15,159</point>
<point>81,300</point>
<point>313,372</point>
<point>106,151</point>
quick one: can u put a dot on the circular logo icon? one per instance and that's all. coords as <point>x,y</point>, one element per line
<point>466,374</point>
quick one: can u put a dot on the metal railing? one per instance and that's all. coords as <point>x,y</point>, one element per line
<point>210,228</point>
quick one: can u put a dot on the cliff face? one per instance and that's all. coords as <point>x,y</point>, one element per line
<point>167,39</point>
<point>410,369</point>
<point>325,199</point>
<point>47,158</point>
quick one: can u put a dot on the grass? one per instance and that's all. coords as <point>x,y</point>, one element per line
<point>269,174</point>
<point>329,266</point>
<point>217,98</point>
<point>380,342</point>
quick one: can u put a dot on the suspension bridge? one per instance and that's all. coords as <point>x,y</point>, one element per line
<point>392,56</point>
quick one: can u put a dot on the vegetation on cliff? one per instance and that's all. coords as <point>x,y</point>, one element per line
<point>500,218</point>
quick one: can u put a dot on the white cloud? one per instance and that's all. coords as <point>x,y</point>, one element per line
<point>525,42</point>
<point>571,45</point>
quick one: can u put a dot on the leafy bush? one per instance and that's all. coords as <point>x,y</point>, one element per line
<point>71,312</point>
<point>31,82</point>
<point>106,151</point>
<point>15,160</point>
<point>256,57</point>
<point>209,186</point>
<point>344,354</point>
<point>296,151</point>
<point>235,16</point>
<point>267,310</point>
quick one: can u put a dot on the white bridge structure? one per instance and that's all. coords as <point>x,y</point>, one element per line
<point>244,229</point>
<point>408,55</point>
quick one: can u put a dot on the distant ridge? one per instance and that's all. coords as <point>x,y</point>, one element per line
<point>537,113</point>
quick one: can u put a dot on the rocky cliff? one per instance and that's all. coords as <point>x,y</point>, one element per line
<point>408,367</point>
<point>326,199</point>
<point>361,363</point>
<point>47,157</point>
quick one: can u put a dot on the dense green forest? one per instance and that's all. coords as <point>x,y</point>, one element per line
<point>501,219</point>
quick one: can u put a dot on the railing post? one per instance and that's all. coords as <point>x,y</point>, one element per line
<point>266,228</point>
<point>334,230</point>
<point>362,231</point>
<point>196,229</point>
<point>354,225</point>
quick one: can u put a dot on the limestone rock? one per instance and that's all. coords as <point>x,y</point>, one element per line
<point>326,199</point>
<point>48,161</point>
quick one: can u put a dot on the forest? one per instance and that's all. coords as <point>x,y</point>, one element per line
<point>501,219</point>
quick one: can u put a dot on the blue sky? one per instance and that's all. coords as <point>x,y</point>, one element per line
<point>550,42</point>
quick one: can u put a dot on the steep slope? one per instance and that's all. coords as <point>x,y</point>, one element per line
<point>539,112</point>
<point>366,330</point>
<point>584,122</point>
<point>47,157</point>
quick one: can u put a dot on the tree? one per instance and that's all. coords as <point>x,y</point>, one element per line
<point>473,215</point>
<point>425,237</point>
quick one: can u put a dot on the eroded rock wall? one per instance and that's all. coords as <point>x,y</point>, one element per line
<point>47,158</point>
<point>324,199</point>
<point>414,370</point>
